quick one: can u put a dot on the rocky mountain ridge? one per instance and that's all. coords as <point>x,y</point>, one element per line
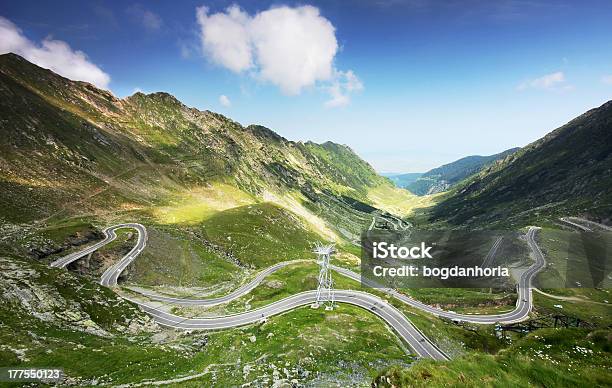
<point>67,142</point>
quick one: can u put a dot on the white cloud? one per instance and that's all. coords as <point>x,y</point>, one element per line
<point>290,47</point>
<point>149,19</point>
<point>225,37</point>
<point>343,85</point>
<point>51,54</point>
<point>549,81</point>
<point>224,100</point>
<point>295,47</point>
<point>607,79</point>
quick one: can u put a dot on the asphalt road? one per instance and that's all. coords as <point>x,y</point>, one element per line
<point>490,257</point>
<point>64,261</point>
<point>421,345</point>
<point>242,290</point>
<point>524,302</point>
<point>581,223</point>
<point>567,220</point>
<point>523,306</point>
<point>111,275</point>
<point>417,341</point>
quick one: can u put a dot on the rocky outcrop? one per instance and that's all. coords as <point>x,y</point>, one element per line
<point>58,297</point>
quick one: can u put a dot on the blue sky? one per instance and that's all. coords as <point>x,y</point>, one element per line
<point>409,85</point>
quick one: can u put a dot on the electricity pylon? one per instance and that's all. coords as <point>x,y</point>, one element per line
<point>325,291</point>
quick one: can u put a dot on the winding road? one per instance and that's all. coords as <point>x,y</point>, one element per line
<point>391,315</point>
<point>376,305</point>
<point>524,301</point>
<point>568,221</point>
<point>111,275</point>
<point>490,257</point>
<point>576,222</point>
<point>241,291</point>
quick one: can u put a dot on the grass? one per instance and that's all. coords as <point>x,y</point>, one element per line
<point>597,295</point>
<point>59,232</point>
<point>452,338</point>
<point>289,337</point>
<point>295,203</point>
<point>281,284</point>
<point>302,276</point>
<point>26,240</point>
<point>177,256</point>
<point>455,340</point>
<point>462,297</point>
<point>568,265</point>
<point>398,201</point>
<point>153,156</point>
<point>28,341</point>
<point>348,344</point>
<point>290,280</point>
<point>126,239</point>
<point>547,358</point>
<point>86,356</point>
<point>555,245</point>
<point>596,314</point>
<point>197,204</point>
<point>260,235</point>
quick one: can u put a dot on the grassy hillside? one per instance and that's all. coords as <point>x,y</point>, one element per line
<point>260,235</point>
<point>567,172</point>
<point>547,358</point>
<point>444,177</point>
<point>220,200</point>
<point>69,148</point>
<point>53,318</point>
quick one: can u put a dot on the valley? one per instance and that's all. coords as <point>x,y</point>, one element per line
<point>177,243</point>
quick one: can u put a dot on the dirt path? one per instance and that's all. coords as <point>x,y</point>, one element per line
<point>569,298</point>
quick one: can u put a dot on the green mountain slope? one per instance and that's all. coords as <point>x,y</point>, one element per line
<point>567,172</point>
<point>219,200</point>
<point>444,177</point>
<point>69,148</point>
<point>548,358</point>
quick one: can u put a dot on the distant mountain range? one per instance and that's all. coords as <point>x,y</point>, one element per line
<point>567,172</point>
<point>403,180</point>
<point>69,148</point>
<point>444,177</point>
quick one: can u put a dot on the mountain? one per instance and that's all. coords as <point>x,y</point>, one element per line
<point>403,180</point>
<point>220,201</point>
<point>567,172</point>
<point>444,177</point>
<point>69,148</point>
